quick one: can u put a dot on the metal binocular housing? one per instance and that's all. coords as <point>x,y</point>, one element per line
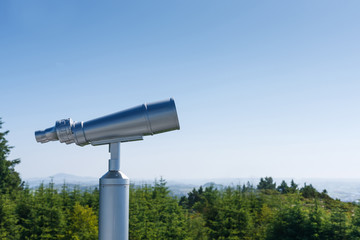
<point>128,125</point>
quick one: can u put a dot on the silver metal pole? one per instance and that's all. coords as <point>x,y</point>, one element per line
<point>114,200</point>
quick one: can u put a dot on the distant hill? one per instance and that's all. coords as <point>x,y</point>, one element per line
<point>61,178</point>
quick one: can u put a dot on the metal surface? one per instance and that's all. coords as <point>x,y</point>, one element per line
<point>115,140</point>
<point>114,207</point>
<point>114,161</point>
<point>143,120</point>
<point>114,200</point>
<point>128,125</point>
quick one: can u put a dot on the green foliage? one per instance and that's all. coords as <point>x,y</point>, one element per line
<point>289,224</point>
<point>10,181</point>
<point>240,212</point>
<point>316,223</point>
<point>308,191</point>
<point>196,227</point>
<point>338,227</point>
<point>83,223</point>
<point>25,213</point>
<point>283,188</point>
<point>154,214</point>
<point>355,225</point>
<point>266,184</point>
<point>48,220</point>
<point>9,229</point>
<point>265,213</point>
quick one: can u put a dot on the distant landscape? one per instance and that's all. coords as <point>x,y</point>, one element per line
<point>347,190</point>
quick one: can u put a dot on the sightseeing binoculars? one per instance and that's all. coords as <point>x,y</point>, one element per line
<point>128,125</point>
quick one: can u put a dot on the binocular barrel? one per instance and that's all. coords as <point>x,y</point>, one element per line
<point>143,120</point>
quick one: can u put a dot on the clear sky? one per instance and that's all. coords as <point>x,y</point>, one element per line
<point>262,88</point>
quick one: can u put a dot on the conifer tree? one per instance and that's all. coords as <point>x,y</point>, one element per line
<point>266,184</point>
<point>8,220</point>
<point>9,179</point>
<point>283,188</point>
<point>83,224</point>
<point>25,213</point>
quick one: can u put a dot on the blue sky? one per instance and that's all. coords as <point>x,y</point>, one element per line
<point>262,88</point>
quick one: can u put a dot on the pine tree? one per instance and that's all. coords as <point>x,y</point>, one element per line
<point>316,223</point>
<point>25,213</point>
<point>83,224</point>
<point>9,179</point>
<point>293,186</point>
<point>49,220</point>
<point>283,188</point>
<point>154,214</point>
<point>308,191</point>
<point>289,224</point>
<point>8,220</point>
<point>266,184</point>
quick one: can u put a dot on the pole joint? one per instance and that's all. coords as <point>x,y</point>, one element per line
<point>114,161</point>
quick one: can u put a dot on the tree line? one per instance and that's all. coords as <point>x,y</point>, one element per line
<point>262,212</point>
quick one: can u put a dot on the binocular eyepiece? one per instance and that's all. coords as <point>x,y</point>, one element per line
<point>127,125</point>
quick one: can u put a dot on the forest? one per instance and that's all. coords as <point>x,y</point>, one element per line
<point>262,212</point>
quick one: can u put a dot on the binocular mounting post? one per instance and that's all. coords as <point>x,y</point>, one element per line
<point>114,195</point>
